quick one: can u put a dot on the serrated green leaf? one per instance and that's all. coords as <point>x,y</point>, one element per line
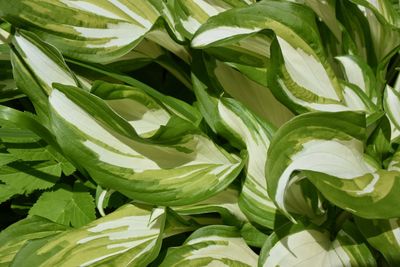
<point>65,206</point>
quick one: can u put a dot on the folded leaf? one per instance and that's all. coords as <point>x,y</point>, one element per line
<point>166,169</point>
<point>212,245</point>
<point>225,203</point>
<point>328,148</point>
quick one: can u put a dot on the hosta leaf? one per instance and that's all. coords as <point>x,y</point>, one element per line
<point>299,245</point>
<point>128,236</point>
<point>326,11</point>
<point>191,14</point>
<point>359,73</point>
<point>96,31</point>
<point>165,169</point>
<point>383,235</point>
<point>225,203</point>
<point>245,130</point>
<point>384,22</point>
<point>255,133</point>
<point>36,66</point>
<point>391,102</point>
<point>252,235</point>
<point>329,150</point>
<point>299,72</point>
<point>212,246</point>
<point>18,234</point>
<point>358,30</point>
<point>256,97</point>
<point>174,105</point>
<point>8,89</point>
<point>144,113</point>
<point>147,52</point>
<point>65,206</point>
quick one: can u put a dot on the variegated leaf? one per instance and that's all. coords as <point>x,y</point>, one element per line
<point>129,236</point>
<point>391,102</point>
<point>299,73</point>
<point>36,66</point>
<point>384,22</point>
<point>165,169</point>
<point>299,245</point>
<point>14,237</point>
<point>360,74</point>
<point>225,203</point>
<point>328,148</point>
<point>384,236</point>
<point>96,31</point>
<point>212,246</point>
<point>191,14</point>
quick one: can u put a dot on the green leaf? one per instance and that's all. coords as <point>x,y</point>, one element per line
<point>28,163</point>
<point>218,245</point>
<point>129,236</point>
<point>14,237</point>
<point>66,206</point>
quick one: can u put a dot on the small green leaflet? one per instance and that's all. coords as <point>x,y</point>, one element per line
<point>66,206</point>
<point>328,148</point>
<point>129,236</point>
<point>212,246</point>
<point>17,235</point>
<point>166,168</point>
<point>27,162</point>
<point>299,245</point>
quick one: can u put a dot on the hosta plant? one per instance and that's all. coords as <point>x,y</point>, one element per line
<point>199,133</point>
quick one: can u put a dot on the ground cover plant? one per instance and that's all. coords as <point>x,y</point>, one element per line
<point>199,133</point>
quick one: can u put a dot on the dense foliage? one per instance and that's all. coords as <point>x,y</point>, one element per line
<point>199,133</point>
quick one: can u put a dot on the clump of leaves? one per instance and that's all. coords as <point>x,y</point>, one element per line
<point>199,133</point>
